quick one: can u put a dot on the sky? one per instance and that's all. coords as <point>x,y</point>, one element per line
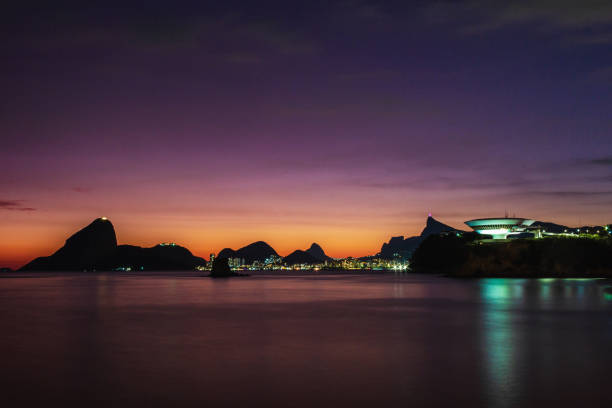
<point>342,123</point>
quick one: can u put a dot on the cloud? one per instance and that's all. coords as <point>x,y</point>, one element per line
<point>230,35</point>
<point>588,21</point>
<point>605,161</point>
<point>14,205</point>
<point>573,194</point>
<point>367,12</point>
<point>442,183</point>
<point>594,161</point>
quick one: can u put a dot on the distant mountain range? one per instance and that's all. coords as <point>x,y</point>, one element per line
<point>312,255</point>
<point>300,257</point>
<point>404,247</point>
<point>259,251</point>
<point>95,248</point>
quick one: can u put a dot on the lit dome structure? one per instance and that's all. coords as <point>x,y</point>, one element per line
<point>499,228</point>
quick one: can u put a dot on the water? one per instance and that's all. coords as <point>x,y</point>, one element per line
<point>307,340</point>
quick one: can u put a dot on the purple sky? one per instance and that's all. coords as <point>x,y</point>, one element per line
<point>341,123</point>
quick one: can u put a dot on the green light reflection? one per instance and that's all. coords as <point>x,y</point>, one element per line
<point>499,339</point>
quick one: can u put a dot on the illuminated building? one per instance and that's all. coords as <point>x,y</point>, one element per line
<point>235,263</point>
<point>273,259</point>
<point>499,228</point>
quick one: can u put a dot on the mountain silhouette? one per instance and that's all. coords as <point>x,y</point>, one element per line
<point>405,247</point>
<point>434,226</point>
<point>86,249</point>
<point>257,251</point>
<point>300,257</point>
<point>159,258</point>
<point>95,248</point>
<point>317,252</point>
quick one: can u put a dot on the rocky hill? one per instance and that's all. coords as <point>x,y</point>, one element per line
<point>317,252</point>
<point>87,249</point>
<point>404,247</point>
<point>95,248</point>
<point>257,251</point>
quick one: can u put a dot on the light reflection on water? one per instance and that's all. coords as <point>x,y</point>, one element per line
<point>304,340</point>
<point>498,348</point>
<point>520,334</point>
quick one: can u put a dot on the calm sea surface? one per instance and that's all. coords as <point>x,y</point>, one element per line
<point>176,339</point>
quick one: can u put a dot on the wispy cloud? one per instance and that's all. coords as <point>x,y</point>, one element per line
<point>591,162</point>
<point>586,21</point>
<point>14,205</point>
<point>229,35</point>
<point>573,194</point>
<point>605,161</point>
<point>368,12</point>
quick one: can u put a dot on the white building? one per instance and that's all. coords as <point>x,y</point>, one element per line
<point>499,228</point>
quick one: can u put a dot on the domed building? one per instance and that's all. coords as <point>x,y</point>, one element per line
<point>499,228</point>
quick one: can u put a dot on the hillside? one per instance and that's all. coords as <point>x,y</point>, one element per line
<point>95,248</point>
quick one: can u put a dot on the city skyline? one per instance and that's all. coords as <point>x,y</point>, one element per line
<point>343,124</point>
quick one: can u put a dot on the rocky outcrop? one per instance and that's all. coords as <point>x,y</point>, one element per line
<point>220,268</point>
<point>434,227</point>
<point>398,246</point>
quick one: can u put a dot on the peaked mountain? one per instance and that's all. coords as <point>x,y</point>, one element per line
<point>300,257</point>
<point>86,249</point>
<point>405,247</point>
<point>317,252</point>
<point>95,248</point>
<point>257,251</point>
<point>433,226</point>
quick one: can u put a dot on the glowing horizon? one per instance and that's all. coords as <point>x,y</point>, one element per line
<point>215,125</point>
<point>362,243</point>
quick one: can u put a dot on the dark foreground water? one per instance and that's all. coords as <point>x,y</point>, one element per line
<point>303,341</point>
